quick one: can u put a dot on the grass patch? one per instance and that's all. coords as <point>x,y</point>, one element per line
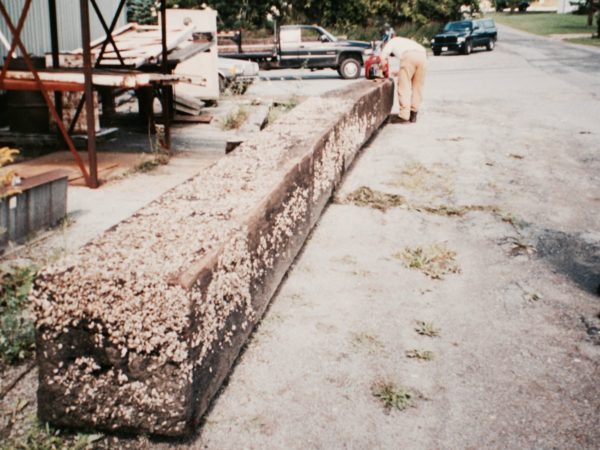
<point>434,260</point>
<point>280,108</point>
<point>421,355</point>
<point>416,177</point>
<point>393,396</point>
<point>529,295</point>
<point>455,210</point>
<point>365,196</point>
<point>148,165</point>
<point>585,41</point>
<point>371,198</point>
<point>17,332</point>
<point>40,436</point>
<point>367,341</point>
<point>545,23</point>
<point>234,120</point>
<point>519,246</point>
<point>427,329</point>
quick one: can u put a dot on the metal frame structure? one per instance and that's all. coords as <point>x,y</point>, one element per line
<point>45,87</point>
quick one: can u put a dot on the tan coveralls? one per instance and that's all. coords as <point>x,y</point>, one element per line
<point>413,62</point>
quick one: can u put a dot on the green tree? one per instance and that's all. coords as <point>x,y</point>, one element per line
<point>142,11</point>
<point>330,13</point>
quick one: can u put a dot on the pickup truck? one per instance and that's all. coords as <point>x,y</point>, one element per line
<point>305,46</point>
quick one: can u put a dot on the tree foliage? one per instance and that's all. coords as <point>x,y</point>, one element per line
<point>329,13</point>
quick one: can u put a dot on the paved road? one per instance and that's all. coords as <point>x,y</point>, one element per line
<point>575,64</point>
<point>515,365</point>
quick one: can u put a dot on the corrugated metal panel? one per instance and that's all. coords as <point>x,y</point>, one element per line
<point>36,33</point>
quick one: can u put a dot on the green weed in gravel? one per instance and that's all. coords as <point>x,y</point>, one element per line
<point>367,341</point>
<point>393,396</point>
<point>422,355</point>
<point>279,109</point>
<point>434,260</point>
<point>427,329</point>
<point>40,436</point>
<point>235,120</point>
<point>17,337</point>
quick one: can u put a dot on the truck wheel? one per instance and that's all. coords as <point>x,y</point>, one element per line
<point>349,69</point>
<point>467,48</point>
<point>490,45</point>
<point>437,52</point>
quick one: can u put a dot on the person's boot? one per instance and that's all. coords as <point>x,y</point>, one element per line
<point>413,116</point>
<point>397,119</point>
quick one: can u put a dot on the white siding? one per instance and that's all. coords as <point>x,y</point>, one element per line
<point>36,33</point>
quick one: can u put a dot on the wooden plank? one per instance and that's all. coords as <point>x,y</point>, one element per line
<point>202,118</point>
<point>185,109</point>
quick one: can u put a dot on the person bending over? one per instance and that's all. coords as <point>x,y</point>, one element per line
<point>411,77</point>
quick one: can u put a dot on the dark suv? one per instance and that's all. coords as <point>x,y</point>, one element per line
<point>502,4</point>
<point>464,35</point>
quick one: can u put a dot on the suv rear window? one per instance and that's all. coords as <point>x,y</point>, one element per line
<point>457,26</point>
<point>488,23</point>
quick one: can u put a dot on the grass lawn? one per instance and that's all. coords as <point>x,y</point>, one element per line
<point>585,41</point>
<point>545,23</point>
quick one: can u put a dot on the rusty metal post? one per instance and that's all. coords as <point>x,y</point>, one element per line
<point>55,52</point>
<point>16,33</point>
<point>167,90</point>
<point>89,93</point>
<point>108,30</point>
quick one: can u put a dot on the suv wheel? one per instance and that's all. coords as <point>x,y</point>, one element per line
<point>490,45</point>
<point>467,48</point>
<point>437,51</point>
<point>349,69</point>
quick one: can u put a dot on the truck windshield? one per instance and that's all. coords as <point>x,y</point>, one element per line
<point>458,26</point>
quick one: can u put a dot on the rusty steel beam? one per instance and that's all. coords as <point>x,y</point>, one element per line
<point>18,43</point>
<point>108,31</point>
<point>10,84</point>
<point>18,31</point>
<point>77,111</point>
<point>55,52</point>
<point>89,93</point>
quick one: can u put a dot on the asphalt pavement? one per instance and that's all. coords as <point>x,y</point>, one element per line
<point>500,178</point>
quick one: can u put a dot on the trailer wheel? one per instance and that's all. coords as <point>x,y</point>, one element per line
<point>349,69</point>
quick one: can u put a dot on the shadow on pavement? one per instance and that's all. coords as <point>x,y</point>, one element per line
<point>575,257</point>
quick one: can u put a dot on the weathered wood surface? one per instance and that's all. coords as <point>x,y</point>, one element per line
<point>138,330</point>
